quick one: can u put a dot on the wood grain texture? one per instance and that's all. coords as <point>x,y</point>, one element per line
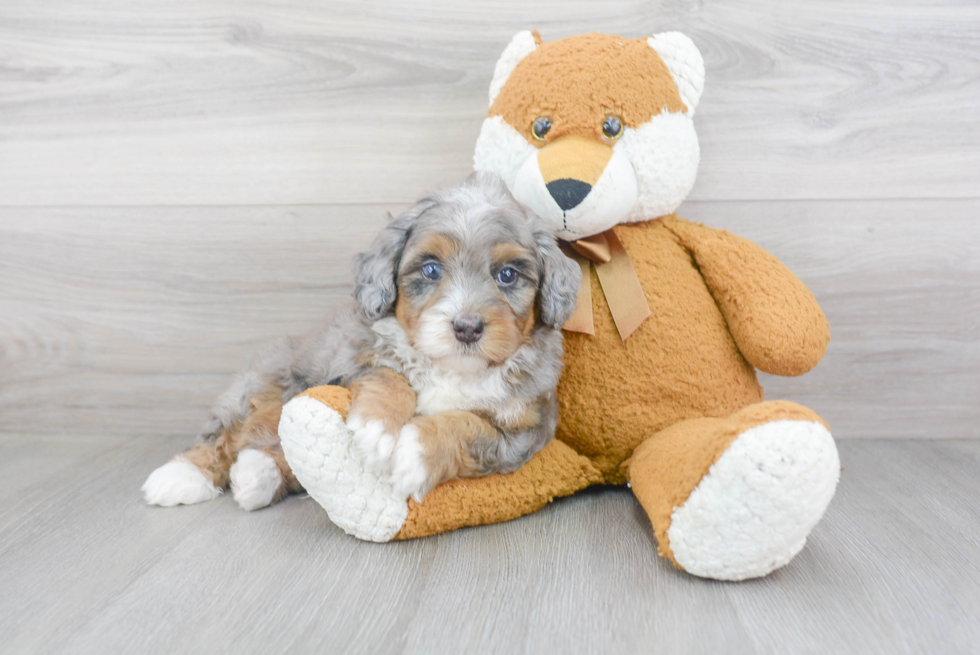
<point>203,102</point>
<point>132,320</point>
<point>892,568</point>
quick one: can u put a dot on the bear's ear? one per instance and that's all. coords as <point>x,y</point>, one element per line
<point>685,64</point>
<point>519,47</point>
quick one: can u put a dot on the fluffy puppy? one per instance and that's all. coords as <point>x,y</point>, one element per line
<point>452,351</point>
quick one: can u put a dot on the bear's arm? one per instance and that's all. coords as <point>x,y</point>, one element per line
<point>774,318</point>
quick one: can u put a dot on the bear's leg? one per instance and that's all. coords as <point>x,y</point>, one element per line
<point>735,498</point>
<point>321,452</point>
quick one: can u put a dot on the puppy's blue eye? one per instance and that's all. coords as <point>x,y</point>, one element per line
<point>431,271</point>
<point>507,276</point>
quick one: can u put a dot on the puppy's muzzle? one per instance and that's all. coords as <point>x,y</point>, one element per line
<point>468,328</point>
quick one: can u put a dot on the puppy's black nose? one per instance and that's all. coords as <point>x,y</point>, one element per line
<point>568,193</point>
<point>468,328</point>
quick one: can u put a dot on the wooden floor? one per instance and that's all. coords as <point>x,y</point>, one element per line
<point>85,567</point>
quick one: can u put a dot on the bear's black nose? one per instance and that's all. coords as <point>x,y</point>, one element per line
<point>468,328</point>
<point>568,193</point>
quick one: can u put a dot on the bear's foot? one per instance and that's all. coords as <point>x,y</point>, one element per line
<point>735,498</point>
<point>323,456</point>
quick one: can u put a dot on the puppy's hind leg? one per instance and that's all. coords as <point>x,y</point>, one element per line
<point>260,475</point>
<point>192,477</point>
<point>202,472</point>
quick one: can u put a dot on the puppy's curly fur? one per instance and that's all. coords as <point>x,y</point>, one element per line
<point>452,351</point>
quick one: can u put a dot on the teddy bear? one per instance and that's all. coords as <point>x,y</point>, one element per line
<point>595,134</point>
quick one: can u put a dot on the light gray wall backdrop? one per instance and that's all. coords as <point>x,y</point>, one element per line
<point>183,180</point>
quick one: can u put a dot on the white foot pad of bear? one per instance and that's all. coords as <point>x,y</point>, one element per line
<point>754,509</point>
<point>321,452</point>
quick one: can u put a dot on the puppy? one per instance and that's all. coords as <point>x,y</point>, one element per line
<point>452,351</point>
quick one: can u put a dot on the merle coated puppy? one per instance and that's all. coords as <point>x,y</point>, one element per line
<point>452,350</point>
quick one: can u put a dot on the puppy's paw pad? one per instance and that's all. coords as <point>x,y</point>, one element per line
<point>178,483</point>
<point>373,441</point>
<point>408,471</point>
<point>255,479</point>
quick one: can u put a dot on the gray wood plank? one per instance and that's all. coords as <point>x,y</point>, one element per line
<point>893,568</point>
<point>135,317</point>
<point>131,320</point>
<point>193,102</point>
<point>31,459</point>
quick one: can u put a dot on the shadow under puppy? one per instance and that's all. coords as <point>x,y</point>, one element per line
<point>452,351</point>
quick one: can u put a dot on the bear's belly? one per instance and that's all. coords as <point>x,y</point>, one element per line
<point>681,363</point>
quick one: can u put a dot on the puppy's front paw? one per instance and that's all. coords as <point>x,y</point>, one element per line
<point>409,476</point>
<point>374,441</point>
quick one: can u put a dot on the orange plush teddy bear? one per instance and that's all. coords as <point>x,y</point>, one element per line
<point>595,134</point>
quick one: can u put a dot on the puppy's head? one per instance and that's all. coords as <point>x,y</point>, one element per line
<point>468,273</point>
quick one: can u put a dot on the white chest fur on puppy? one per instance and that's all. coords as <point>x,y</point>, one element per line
<point>448,384</point>
<point>453,384</point>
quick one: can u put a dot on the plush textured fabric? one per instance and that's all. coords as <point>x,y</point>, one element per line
<point>753,510</point>
<point>664,409</point>
<point>775,320</point>
<point>336,398</point>
<point>665,469</point>
<point>602,75</point>
<point>555,471</point>
<point>681,366</point>
<point>321,453</point>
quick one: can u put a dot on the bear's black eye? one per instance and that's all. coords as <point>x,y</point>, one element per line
<point>540,127</point>
<point>432,271</point>
<point>507,276</point>
<point>612,128</point>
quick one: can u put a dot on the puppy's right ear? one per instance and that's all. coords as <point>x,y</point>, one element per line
<point>375,284</point>
<point>560,280</point>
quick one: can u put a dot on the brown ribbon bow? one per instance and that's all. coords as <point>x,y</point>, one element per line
<point>618,279</point>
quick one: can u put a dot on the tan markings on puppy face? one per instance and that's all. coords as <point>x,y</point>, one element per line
<point>504,252</point>
<point>437,246</point>
<point>498,287</point>
<point>518,314</point>
<point>408,308</point>
<point>578,82</point>
<point>416,293</point>
<point>502,337</point>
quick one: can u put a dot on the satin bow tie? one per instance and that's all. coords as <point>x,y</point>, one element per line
<point>618,279</point>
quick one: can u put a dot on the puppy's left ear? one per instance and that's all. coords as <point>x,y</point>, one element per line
<point>560,281</point>
<point>375,284</point>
